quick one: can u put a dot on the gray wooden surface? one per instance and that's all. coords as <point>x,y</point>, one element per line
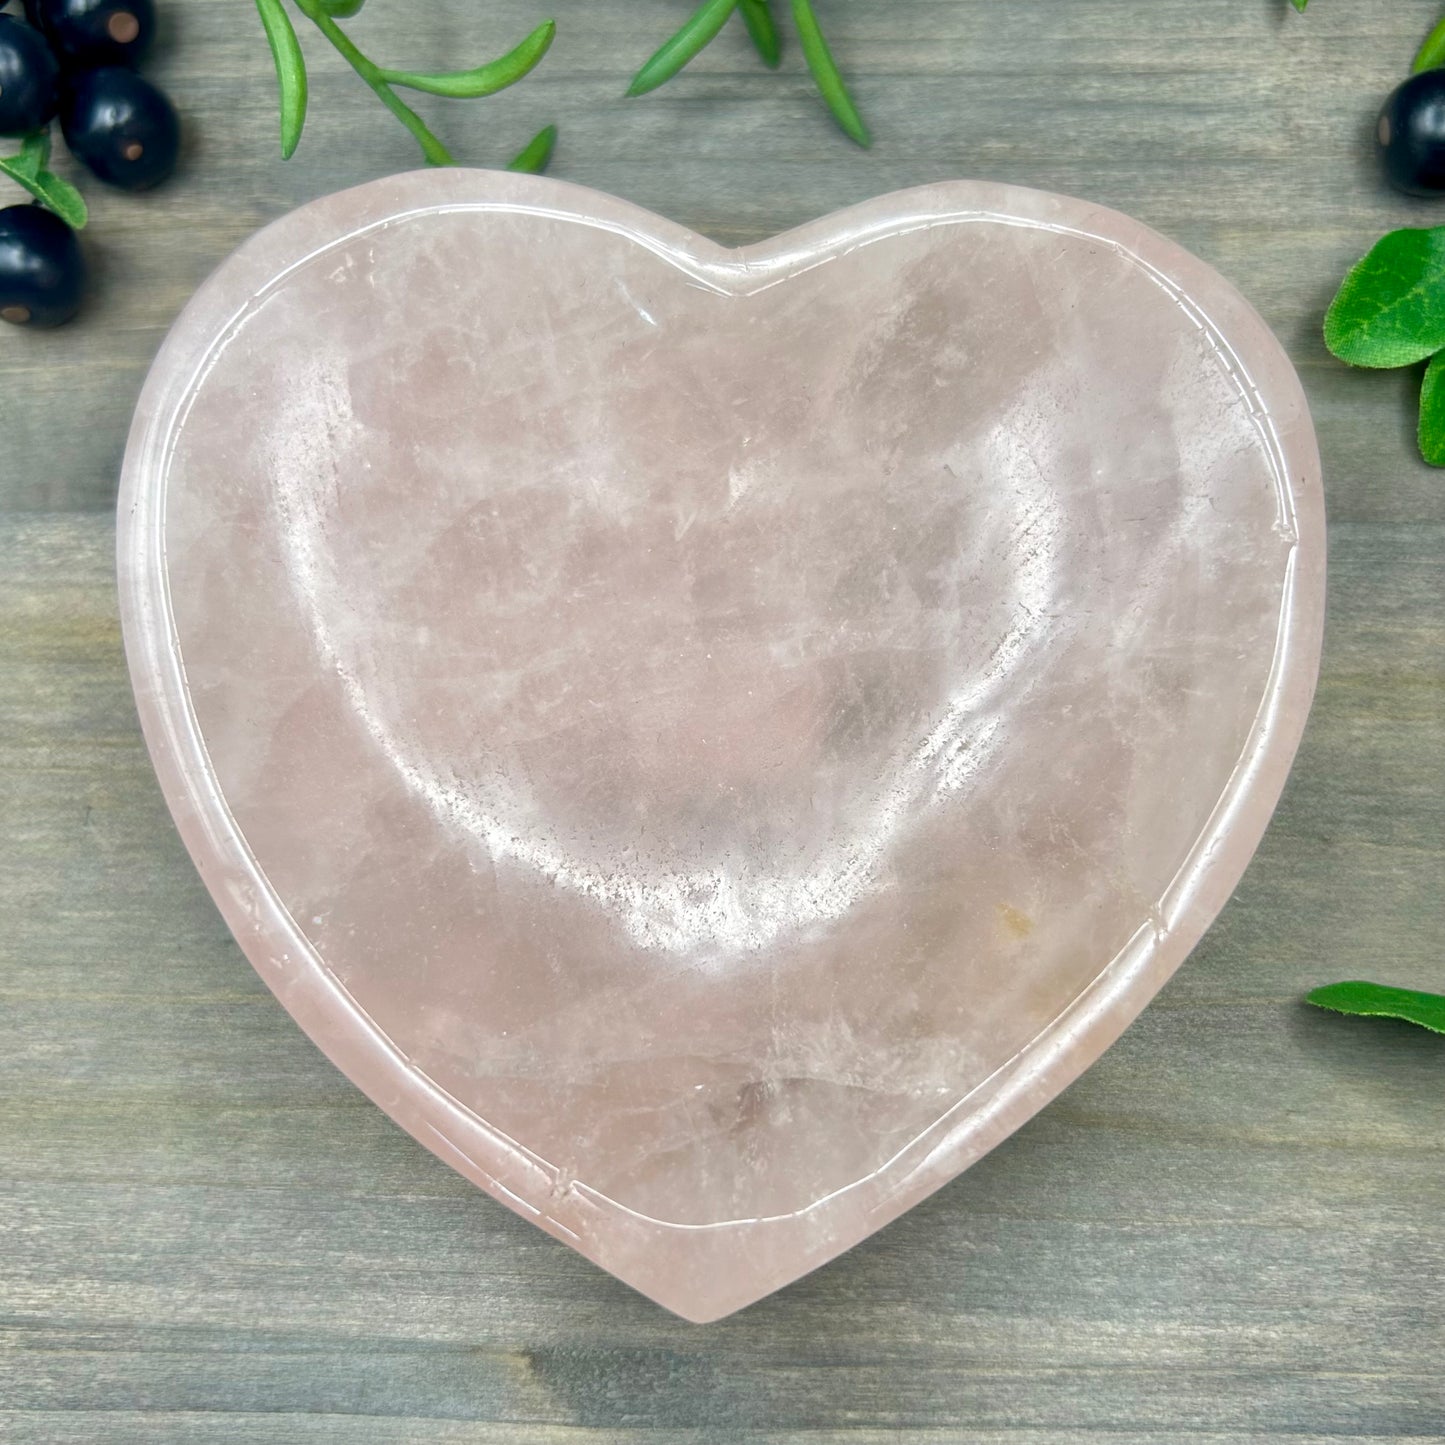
<point>1232,1229</point>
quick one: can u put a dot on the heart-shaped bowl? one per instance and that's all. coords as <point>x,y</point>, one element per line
<point>712,740</point>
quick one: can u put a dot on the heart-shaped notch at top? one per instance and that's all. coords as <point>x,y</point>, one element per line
<point>712,740</point>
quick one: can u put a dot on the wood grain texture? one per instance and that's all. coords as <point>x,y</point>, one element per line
<point>1232,1229</point>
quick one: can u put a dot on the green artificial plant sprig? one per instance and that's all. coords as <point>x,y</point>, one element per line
<point>1390,312</point>
<point>479,81</point>
<point>1390,309</point>
<point>706,23</point>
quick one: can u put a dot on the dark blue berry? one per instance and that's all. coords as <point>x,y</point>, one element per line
<point>42,270</point>
<point>29,78</point>
<point>96,32</point>
<point>120,126</point>
<point>1412,135</point>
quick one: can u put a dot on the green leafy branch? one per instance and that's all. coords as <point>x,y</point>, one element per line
<point>1377,1000</point>
<point>707,22</point>
<point>1390,312</point>
<point>470,84</point>
<point>1390,309</point>
<point>29,168</point>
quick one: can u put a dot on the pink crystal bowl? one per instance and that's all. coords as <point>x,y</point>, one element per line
<point>712,740</point>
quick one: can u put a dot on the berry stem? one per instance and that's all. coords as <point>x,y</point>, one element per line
<point>432,148</point>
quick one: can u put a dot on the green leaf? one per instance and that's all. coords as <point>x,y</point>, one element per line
<point>1300,5</point>
<point>341,9</point>
<point>699,31</point>
<point>290,72</point>
<point>825,72</point>
<point>62,198</point>
<point>758,17</point>
<point>1431,55</point>
<point>1432,411</point>
<point>484,79</point>
<point>27,168</point>
<point>31,158</point>
<point>533,157</point>
<point>1377,1000</point>
<point>1390,309</point>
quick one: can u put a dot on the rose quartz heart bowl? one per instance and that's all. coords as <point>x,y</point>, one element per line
<point>712,740</point>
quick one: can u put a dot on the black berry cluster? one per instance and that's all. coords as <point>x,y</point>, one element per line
<point>74,61</point>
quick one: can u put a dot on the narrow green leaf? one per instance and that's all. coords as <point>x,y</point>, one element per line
<point>1432,411</point>
<point>1300,5</point>
<point>341,9</point>
<point>825,72</point>
<point>534,156</point>
<point>484,79</point>
<point>290,72</point>
<point>699,31</point>
<point>758,17</point>
<point>1390,308</point>
<point>1431,55</point>
<point>1377,1000</point>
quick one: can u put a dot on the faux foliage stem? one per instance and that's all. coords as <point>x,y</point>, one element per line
<point>435,152</point>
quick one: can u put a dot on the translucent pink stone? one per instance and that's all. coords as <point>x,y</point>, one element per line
<point>711,741</point>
